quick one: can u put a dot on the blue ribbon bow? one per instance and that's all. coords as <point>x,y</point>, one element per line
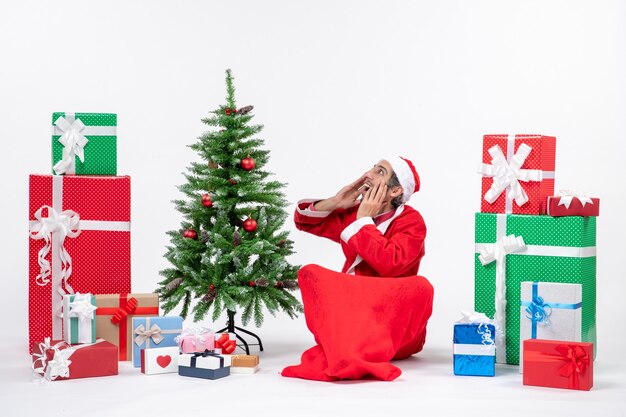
<point>538,311</point>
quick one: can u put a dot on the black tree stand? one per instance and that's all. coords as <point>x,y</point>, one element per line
<point>230,328</point>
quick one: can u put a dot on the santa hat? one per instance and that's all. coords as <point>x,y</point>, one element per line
<point>406,173</point>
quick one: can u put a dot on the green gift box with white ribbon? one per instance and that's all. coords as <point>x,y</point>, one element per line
<point>79,318</point>
<point>84,143</point>
<point>514,248</point>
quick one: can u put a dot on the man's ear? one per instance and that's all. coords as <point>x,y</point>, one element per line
<point>396,191</point>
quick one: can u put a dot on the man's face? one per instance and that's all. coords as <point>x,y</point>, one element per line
<point>380,173</point>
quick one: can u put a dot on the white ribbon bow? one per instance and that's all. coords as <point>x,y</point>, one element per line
<point>41,359</point>
<point>568,195</point>
<point>73,142</point>
<point>504,246</point>
<point>81,307</point>
<point>508,174</point>
<point>154,333</point>
<point>59,366</point>
<point>473,317</point>
<point>66,224</point>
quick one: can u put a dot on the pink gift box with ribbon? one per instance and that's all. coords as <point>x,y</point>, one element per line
<point>193,340</point>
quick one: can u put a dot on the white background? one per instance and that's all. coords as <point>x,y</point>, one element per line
<point>337,85</point>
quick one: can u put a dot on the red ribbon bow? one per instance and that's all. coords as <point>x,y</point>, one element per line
<point>576,360</point>
<point>123,312</point>
<point>228,346</point>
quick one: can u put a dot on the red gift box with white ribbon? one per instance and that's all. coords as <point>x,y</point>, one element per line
<point>572,203</point>
<point>518,173</point>
<point>57,360</point>
<point>79,242</point>
<point>558,364</point>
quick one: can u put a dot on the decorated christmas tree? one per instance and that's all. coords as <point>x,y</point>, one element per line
<point>230,253</point>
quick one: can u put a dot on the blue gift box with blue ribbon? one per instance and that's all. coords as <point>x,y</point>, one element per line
<point>152,332</point>
<point>550,311</point>
<point>474,349</point>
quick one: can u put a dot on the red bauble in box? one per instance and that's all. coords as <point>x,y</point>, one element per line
<point>96,212</point>
<point>536,173</point>
<point>558,364</point>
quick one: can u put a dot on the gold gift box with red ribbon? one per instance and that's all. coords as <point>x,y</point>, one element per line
<point>114,315</point>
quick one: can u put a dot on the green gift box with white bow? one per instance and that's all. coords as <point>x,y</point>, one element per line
<point>514,248</point>
<point>84,143</point>
<point>79,318</point>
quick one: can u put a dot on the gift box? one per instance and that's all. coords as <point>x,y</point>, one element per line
<point>515,248</point>
<point>161,360</point>
<point>550,311</point>
<point>80,242</point>
<point>84,143</point>
<point>572,205</point>
<point>153,332</point>
<point>243,364</point>
<point>558,364</point>
<point>114,318</point>
<point>56,360</point>
<point>474,347</point>
<point>518,173</point>
<point>205,365</point>
<point>225,343</point>
<point>79,319</point>
<point>193,340</point>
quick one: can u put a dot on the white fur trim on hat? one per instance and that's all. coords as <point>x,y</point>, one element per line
<point>404,174</point>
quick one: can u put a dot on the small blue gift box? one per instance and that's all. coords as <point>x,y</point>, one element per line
<point>474,349</point>
<point>151,332</point>
<point>205,365</point>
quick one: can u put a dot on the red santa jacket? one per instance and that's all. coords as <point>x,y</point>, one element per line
<point>394,248</point>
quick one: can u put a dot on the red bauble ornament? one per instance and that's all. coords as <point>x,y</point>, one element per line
<point>211,287</point>
<point>279,284</point>
<point>235,110</point>
<point>247,163</point>
<point>251,283</point>
<point>227,111</point>
<point>190,234</point>
<point>249,225</point>
<point>232,181</point>
<point>206,200</point>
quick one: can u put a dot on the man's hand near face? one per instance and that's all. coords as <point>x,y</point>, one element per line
<point>373,201</point>
<point>347,197</point>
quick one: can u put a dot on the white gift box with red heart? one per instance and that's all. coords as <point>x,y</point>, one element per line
<point>159,360</point>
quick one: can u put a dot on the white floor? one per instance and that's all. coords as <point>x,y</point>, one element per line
<point>426,387</point>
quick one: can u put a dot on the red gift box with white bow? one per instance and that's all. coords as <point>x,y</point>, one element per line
<point>558,364</point>
<point>57,360</point>
<point>79,242</point>
<point>518,173</point>
<point>572,204</point>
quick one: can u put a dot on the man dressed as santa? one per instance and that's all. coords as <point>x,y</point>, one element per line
<point>360,322</point>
